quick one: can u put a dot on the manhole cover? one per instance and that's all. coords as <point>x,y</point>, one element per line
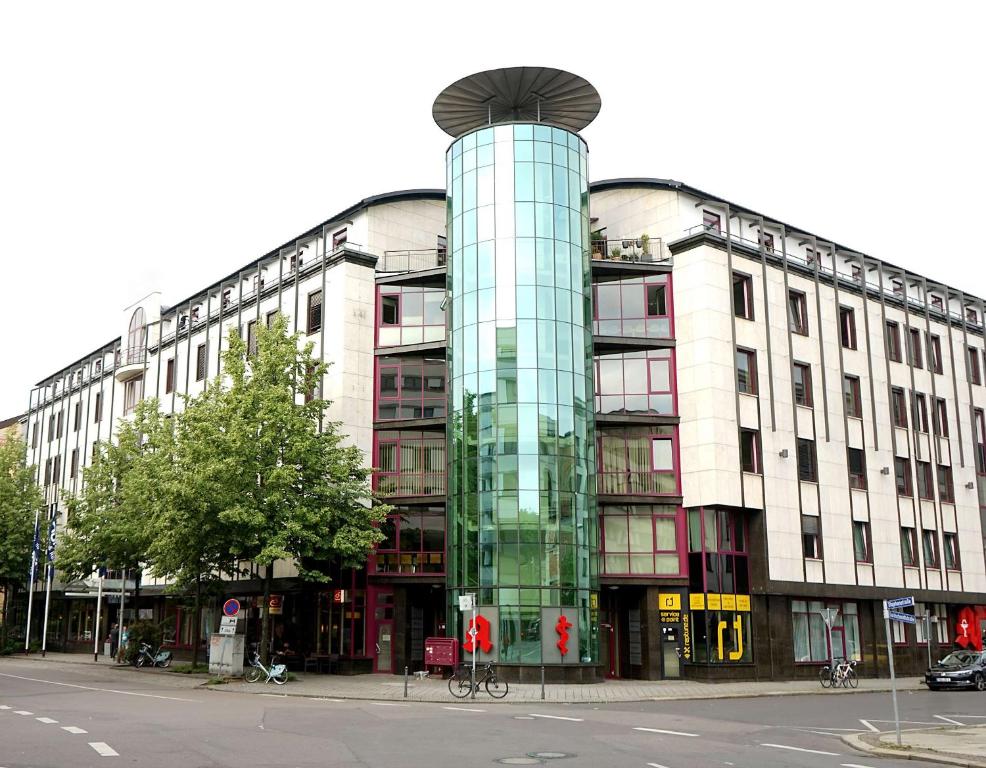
<point>519,761</point>
<point>549,755</point>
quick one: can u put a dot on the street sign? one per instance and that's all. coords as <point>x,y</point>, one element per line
<point>225,630</point>
<point>467,602</point>
<point>229,621</point>
<point>231,607</point>
<point>899,602</point>
<point>907,618</point>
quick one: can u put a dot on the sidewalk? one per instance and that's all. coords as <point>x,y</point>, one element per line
<point>961,746</point>
<point>391,687</point>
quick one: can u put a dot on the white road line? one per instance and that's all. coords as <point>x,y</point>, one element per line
<point>869,725</point>
<point>274,695</point>
<point>801,749</point>
<point>669,733</point>
<point>104,690</point>
<point>74,729</point>
<point>22,712</point>
<point>823,733</point>
<point>948,720</point>
<point>656,765</point>
<point>318,698</point>
<point>558,717</point>
<point>4,706</point>
<point>464,709</point>
<point>855,765</point>
<point>45,720</point>
<point>104,749</point>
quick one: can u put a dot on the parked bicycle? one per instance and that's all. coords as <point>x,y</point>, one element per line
<point>145,657</point>
<point>843,673</point>
<point>276,671</point>
<point>460,684</point>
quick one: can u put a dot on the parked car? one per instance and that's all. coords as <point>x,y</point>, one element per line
<point>960,669</point>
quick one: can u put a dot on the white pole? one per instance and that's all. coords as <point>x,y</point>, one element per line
<point>95,630</point>
<point>50,568</point>
<point>123,597</point>
<point>475,634</point>
<point>35,557</point>
<point>893,678</point>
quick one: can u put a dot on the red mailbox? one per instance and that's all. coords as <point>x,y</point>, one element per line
<point>441,652</point>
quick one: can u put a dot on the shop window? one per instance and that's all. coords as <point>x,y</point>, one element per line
<point>638,461</point>
<point>410,388</point>
<point>746,371</point>
<point>742,296</point>
<point>893,341</point>
<point>410,464</point>
<point>797,307</point>
<point>950,549</point>
<point>807,462</point>
<point>851,395</point>
<point>635,382</point>
<point>811,537</point>
<point>750,451</point>
<point>909,546</point>
<point>635,307</point>
<point>802,384</point>
<point>861,542</point>
<point>847,327</point>
<point>902,473</point>
<point>811,637</point>
<point>857,468</point>
<point>946,489</point>
<point>898,405</point>
<point>640,540</point>
<point>929,540</point>
<point>414,541</point>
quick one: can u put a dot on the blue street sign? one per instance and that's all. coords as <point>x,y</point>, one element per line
<point>899,602</point>
<point>907,618</point>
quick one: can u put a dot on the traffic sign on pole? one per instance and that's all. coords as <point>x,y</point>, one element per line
<point>899,602</point>
<point>906,618</point>
<point>231,607</point>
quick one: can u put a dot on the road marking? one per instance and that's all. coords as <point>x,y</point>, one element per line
<point>801,749</point>
<point>558,717</point>
<point>274,695</point>
<point>854,765</point>
<point>869,725</point>
<point>319,698</point>
<point>656,765</point>
<point>4,706</point>
<point>45,720</point>
<point>104,749</point>
<point>73,729</point>
<point>464,709</point>
<point>387,704</point>
<point>22,712</point>
<point>823,733</point>
<point>103,690</point>
<point>669,733</point>
<point>948,720</point>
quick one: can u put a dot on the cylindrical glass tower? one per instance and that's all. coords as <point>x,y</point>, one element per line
<point>522,520</point>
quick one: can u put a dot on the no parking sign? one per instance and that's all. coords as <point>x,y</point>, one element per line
<point>231,607</point>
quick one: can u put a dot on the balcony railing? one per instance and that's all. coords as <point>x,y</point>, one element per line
<point>639,250</point>
<point>412,261</point>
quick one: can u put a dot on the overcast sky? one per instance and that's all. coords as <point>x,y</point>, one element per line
<point>161,146</point>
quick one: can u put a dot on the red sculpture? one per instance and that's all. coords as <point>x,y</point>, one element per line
<point>562,628</point>
<point>481,636</point>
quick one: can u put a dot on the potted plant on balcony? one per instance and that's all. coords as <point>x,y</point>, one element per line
<point>598,242</point>
<point>616,252</point>
<point>645,244</point>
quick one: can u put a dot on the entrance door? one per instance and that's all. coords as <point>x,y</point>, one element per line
<point>671,651</point>
<point>383,634</point>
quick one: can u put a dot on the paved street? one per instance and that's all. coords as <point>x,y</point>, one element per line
<point>56,714</point>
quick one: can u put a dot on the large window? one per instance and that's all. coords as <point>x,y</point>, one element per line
<point>637,461</point>
<point>414,541</point>
<point>847,327</point>
<point>409,315</point>
<point>811,638</point>
<point>797,310</point>
<point>410,464</point>
<point>742,296</point>
<point>640,540</point>
<point>635,382</point>
<point>638,307</point>
<point>746,371</point>
<point>893,341</point>
<point>802,384</point>
<point>410,388</point>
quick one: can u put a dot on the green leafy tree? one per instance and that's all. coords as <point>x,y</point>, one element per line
<point>293,491</point>
<point>20,501</point>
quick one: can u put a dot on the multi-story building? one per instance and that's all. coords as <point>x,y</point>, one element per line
<point>654,432</point>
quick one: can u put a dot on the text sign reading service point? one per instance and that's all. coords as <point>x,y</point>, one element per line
<point>231,607</point>
<point>899,602</point>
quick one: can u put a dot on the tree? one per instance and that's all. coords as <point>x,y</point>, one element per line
<point>293,492</point>
<point>20,501</point>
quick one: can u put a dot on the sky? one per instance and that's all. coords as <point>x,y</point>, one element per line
<point>160,146</point>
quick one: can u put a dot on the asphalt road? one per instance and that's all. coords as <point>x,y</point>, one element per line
<point>55,714</point>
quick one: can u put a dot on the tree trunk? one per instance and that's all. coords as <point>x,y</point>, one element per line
<point>198,621</point>
<point>3,619</point>
<point>265,616</point>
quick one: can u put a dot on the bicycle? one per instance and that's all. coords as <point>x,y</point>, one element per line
<point>843,673</point>
<point>277,672</point>
<point>159,659</point>
<point>460,684</point>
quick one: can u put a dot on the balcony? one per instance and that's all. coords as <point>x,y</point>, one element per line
<point>639,250</point>
<point>412,261</point>
<point>131,365</point>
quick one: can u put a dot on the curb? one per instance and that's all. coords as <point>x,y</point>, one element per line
<point>860,742</point>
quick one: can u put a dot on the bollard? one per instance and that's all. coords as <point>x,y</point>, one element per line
<point>405,682</point>
<point>542,682</point>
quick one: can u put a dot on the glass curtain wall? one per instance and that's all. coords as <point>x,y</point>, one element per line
<point>522,519</point>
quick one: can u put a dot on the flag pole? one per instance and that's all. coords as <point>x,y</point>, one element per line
<point>35,552</point>
<point>50,572</point>
<point>95,629</point>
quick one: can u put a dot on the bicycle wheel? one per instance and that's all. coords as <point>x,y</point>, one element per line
<point>281,678</point>
<point>252,675</point>
<point>139,661</point>
<point>825,676</point>
<point>496,688</point>
<point>166,663</point>
<point>851,680</point>
<point>459,685</point>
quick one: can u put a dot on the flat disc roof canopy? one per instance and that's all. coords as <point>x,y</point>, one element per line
<point>526,94</point>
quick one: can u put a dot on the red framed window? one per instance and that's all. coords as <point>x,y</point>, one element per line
<point>975,374</point>
<point>742,296</point>
<point>750,457</point>
<point>797,308</point>
<point>929,541</point>
<point>851,395</point>
<point>414,542</point>
<point>847,327</point>
<point>802,384</point>
<point>950,550</point>
<point>638,461</point>
<point>934,354</point>
<point>746,371</point>
<point>893,342</point>
<point>909,546</point>
<point>919,413</point>
<point>902,474</point>
<point>636,307</point>
<point>940,416</point>
<point>409,464</point>
<point>926,484</point>
<point>898,407</point>
<point>410,388</point>
<point>811,639</point>
<point>641,540</point>
<point>857,468</point>
<point>980,440</point>
<point>946,487</point>
<point>636,382</point>
<point>811,537</point>
<point>862,543</point>
<point>914,348</point>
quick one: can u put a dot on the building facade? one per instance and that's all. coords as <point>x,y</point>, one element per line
<point>654,432</point>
